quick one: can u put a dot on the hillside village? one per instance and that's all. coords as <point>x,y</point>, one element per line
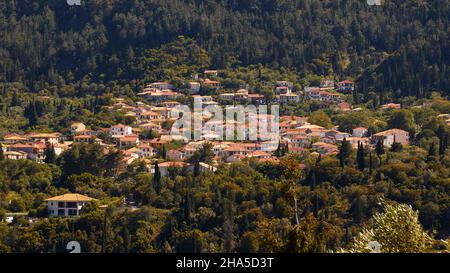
<point>297,135</point>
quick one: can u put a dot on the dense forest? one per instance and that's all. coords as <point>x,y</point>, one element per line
<point>399,47</point>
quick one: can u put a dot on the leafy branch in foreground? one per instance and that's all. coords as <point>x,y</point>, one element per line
<point>397,229</point>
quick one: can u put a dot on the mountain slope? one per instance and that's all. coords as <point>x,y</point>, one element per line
<point>40,41</point>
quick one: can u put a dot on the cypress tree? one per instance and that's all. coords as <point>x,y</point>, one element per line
<point>361,157</point>
<point>380,148</point>
<point>31,114</point>
<point>157,178</point>
<point>15,100</point>
<point>196,168</point>
<point>344,152</point>
<point>2,155</point>
<point>50,155</point>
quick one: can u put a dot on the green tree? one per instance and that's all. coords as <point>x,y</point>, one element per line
<point>50,155</point>
<point>320,118</point>
<point>157,178</point>
<point>2,155</point>
<point>403,119</point>
<point>345,150</point>
<point>361,160</point>
<point>397,229</point>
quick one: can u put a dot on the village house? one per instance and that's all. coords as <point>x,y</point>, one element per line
<point>226,97</point>
<point>316,93</point>
<point>390,106</point>
<point>282,90</point>
<point>202,99</point>
<point>255,98</point>
<point>15,155</point>
<point>299,141</point>
<point>157,143</point>
<point>48,138</point>
<point>336,135</point>
<point>209,73</point>
<point>194,87</point>
<point>391,136</point>
<point>67,205</point>
<point>259,155</point>
<point>343,106</point>
<point>130,155</point>
<point>32,151</point>
<point>163,111</point>
<point>161,86</point>
<point>147,126</point>
<point>127,141</point>
<point>327,84</point>
<point>13,138</point>
<point>145,150</point>
<point>149,115</point>
<point>164,168</point>
<point>202,167</point>
<point>325,148</point>
<point>175,155</point>
<point>211,83</point>
<point>235,158</point>
<point>360,132</point>
<point>346,86</point>
<point>86,139</point>
<point>77,127</point>
<point>157,95</point>
<point>288,98</point>
<point>171,104</point>
<point>121,130</point>
<point>355,141</point>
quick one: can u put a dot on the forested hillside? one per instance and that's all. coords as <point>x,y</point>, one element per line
<point>401,46</point>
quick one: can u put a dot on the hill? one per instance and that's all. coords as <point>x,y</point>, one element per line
<point>401,46</point>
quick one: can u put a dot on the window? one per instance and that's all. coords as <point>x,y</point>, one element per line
<point>72,212</point>
<point>61,212</point>
<point>71,205</point>
<point>61,205</point>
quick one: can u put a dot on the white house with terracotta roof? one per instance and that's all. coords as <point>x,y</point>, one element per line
<point>67,205</point>
<point>345,86</point>
<point>121,130</point>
